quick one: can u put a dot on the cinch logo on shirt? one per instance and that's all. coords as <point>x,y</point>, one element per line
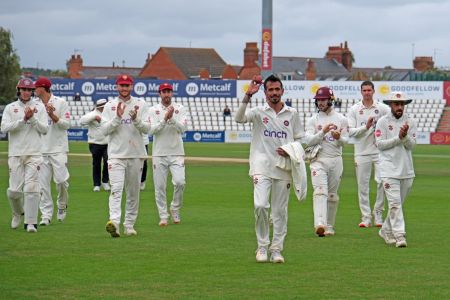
<point>275,134</point>
<point>126,121</point>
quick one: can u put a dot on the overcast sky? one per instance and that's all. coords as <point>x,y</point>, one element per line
<point>379,33</point>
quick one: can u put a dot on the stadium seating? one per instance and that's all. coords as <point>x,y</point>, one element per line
<point>206,113</point>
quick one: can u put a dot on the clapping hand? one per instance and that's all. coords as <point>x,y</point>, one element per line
<point>120,109</point>
<point>169,113</point>
<point>29,112</point>
<point>403,131</point>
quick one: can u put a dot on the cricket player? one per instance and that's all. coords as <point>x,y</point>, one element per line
<point>329,129</point>
<point>168,123</point>
<point>395,138</point>
<point>25,121</point>
<point>98,145</point>
<point>124,120</point>
<point>362,119</point>
<point>54,151</point>
<point>274,125</point>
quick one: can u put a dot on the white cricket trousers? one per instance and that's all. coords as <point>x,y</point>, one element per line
<point>363,167</point>
<point>274,194</point>
<point>325,177</point>
<point>55,165</point>
<point>161,167</point>
<point>396,191</point>
<point>124,172</point>
<point>23,191</point>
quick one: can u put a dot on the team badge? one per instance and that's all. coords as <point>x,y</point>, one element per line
<point>16,110</point>
<point>378,133</point>
<point>361,112</point>
<point>314,173</point>
<point>286,123</point>
<point>265,120</point>
<point>157,112</point>
<point>390,127</point>
<point>387,186</point>
<point>113,108</point>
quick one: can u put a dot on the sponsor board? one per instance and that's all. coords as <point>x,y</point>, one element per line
<point>423,138</point>
<point>266,51</point>
<point>77,134</point>
<point>101,88</point>
<point>352,89</point>
<point>440,138</point>
<point>201,136</point>
<point>232,136</point>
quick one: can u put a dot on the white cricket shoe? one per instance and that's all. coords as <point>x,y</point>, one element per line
<point>400,242</point>
<point>388,237</point>
<point>276,257</point>
<point>175,216</point>
<point>44,222</point>
<point>61,214</point>
<point>163,223</point>
<point>96,188</point>
<point>329,231</point>
<point>16,221</point>
<point>31,228</point>
<point>129,231</point>
<point>261,254</point>
<point>106,186</point>
<point>113,229</point>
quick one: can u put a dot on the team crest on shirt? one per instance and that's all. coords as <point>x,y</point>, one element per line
<point>265,120</point>
<point>286,123</point>
<point>361,112</point>
<point>378,133</point>
<point>377,111</point>
<point>113,108</point>
<point>16,110</point>
<point>157,112</point>
<point>387,186</point>
<point>314,173</point>
<point>390,127</point>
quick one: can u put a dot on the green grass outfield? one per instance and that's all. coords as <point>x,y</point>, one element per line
<point>211,255</point>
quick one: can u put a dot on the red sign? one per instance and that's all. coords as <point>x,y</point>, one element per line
<point>266,52</point>
<point>447,91</point>
<point>440,138</point>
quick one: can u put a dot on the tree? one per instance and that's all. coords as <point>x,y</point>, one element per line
<point>9,67</point>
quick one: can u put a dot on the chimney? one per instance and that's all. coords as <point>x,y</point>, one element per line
<point>423,63</point>
<point>74,66</point>
<point>310,70</point>
<point>251,52</point>
<point>347,57</point>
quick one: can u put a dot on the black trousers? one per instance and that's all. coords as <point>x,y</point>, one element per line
<point>144,168</point>
<point>99,152</point>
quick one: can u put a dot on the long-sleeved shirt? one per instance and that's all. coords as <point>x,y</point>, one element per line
<point>25,137</point>
<point>395,153</point>
<point>168,136</point>
<point>314,133</point>
<point>270,131</point>
<point>364,138</point>
<point>124,134</point>
<point>95,135</point>
<point>56,140</point>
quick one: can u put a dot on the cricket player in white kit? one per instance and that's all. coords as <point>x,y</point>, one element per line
<point>168,123</point>
<point>25,121</point>
<point>274,125</point>
<point>124,120</point>
<point>55,147</point>
<point>329,129</point>
<point>396,137</point>
<point>362,119</point>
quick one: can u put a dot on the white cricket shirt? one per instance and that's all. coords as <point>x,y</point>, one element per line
<point>168,136</point>
<point>395,153</point>
<point>24,137</point>
<point>95,135</point>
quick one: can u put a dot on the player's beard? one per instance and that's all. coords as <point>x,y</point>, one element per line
<point>125,94</point>
<point>398,113</point>
<point>275,99</point>
<point>166,101</point>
